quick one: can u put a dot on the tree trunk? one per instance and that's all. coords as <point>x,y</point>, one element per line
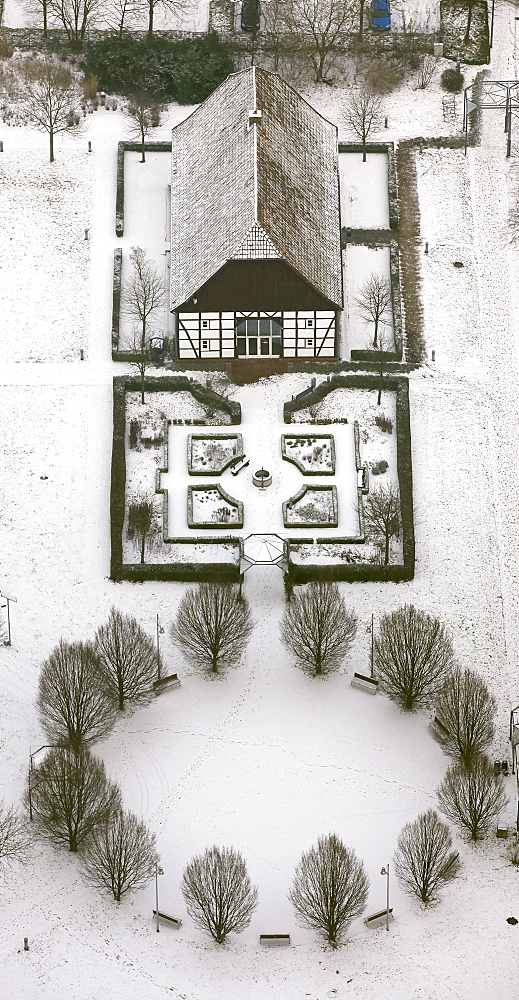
<point>121,694</point>
<point>386,552</point>
<point>151,7</point>
<point>361,18</point>
<point>143,544</point>
<point>143,140</point>
<point>376,332</point>
<point>44,7</point>
<point>51,145</point>
<point>364,149</point>
<point>469,23</point>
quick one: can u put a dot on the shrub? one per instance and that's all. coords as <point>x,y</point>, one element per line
<point>385,423</point>
<point>185,70</point>
<point>452,80</point>
<point>6,46</point>
<point>379,467</point>
<point>383,78</point>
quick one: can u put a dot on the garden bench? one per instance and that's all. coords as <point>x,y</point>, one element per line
<point>174,921</point>
<point>275,939</point>
<point>439,726</point>
<point>362,479</point>
<point>172,680</point>
<point>365,683</point>
<point>242,463</point>
<point>378,918</point>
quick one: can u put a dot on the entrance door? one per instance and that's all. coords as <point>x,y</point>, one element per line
<point>258,337</point>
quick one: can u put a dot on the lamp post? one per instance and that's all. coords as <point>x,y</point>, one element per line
<point>158,871</point>
<point>385,871</point>
<point>160,631</point>
<point>8,597</point>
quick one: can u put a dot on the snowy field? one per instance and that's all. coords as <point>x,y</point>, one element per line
<point>360,263</point>
<point>364,194</point>
<point>265,759</point>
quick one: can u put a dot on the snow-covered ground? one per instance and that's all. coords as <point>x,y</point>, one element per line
<point>364,194</point>
<point>265,759</point>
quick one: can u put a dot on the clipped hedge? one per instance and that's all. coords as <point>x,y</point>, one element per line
<point>351,572</point>
<point>185,571</point>
<point>186,69</point>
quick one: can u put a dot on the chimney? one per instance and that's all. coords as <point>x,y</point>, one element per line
<point>254,117</point>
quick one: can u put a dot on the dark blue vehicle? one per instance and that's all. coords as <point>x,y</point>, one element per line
<point>380,15</point>
<point>250,15</point>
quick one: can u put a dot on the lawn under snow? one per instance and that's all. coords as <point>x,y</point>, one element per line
<point>266,758</point>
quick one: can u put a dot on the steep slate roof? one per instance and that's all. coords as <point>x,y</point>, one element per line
<point>267,190</point>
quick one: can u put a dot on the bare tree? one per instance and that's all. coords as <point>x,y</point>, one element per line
<point>143,521</point>
<point>14,837</point>
<point>73,707</point>
<point>472,797</point>
<point>426,69</point>
<point>171,6</point>
<point>467,710</point>
<point>128,659</point>
<point>330,888</point>
<point>411,653</point>
<point>213,626</point>
<point>76,17</point>
<point>317,28</point>
<point>218,892</point>
<point>69,795</point>
<point>38,11</point>
<point>374,302</point>
<point>363,116</point>
<point>49,97</point>
<point>273,28</point>
<point>424,859</point>
<point>143,294</point>
<point>470,11</point>
<point>120,855</point>
<point>145,113</point>
<point>318,628</point>
<point>382,515</point>
<point>121,14</point>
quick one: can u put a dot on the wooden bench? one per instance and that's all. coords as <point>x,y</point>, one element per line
<point>365,683</point>
<point>174,921</point>
<point>172,680</point>
<point>378,918</point>
<point>438,725</point>
<point>274,940</point>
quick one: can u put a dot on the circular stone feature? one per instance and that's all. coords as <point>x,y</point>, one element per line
<point>262,478</point>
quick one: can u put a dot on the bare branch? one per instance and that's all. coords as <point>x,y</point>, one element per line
<point>69,795</point>
<point>144,522</point>
<point>213,626</point>
<point>424,859</point>
<point>382,515</point>
<point>374,301</point>
<point>218,892</point>
<point>472,797</point>
<point>318,628</point>
<point>73,707</point>
<point>14,837</point>
<point>330,888</point>
<point>363,116</point>
<point>412,651</point>
<point>128,660</point>
<point>467,710</point>
<point>120,855</point>
<point>317,28</point>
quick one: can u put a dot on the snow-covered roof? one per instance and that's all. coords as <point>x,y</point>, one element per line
<point>250,185</point>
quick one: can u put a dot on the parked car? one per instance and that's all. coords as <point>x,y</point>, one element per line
<point>250,15</point>
<point>380,15</point>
